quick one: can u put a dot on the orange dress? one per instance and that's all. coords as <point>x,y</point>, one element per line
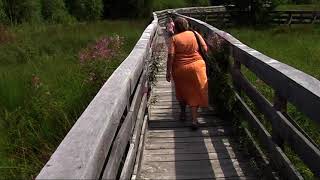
<point>189,70</point>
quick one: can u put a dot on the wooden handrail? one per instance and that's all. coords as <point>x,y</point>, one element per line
<point>82,153</point>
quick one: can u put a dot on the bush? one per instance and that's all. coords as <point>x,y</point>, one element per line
<point>55,11</point>
<point>85,9</point>
<point>20,11</point>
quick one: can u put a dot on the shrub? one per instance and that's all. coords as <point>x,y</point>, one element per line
<point>85,9</point>
<point>55,11</point>
<point>20,11</point>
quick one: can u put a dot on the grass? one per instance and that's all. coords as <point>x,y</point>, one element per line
<point>301,7</point>
<point>44,88</point>
<point>298,47</point>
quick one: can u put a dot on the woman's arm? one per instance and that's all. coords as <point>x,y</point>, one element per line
<point>169,67</point>
<point>171,52</point>
<point>203,42</point>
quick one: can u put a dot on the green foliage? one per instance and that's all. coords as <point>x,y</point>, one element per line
<point>221,93</point>
<point>252,12</point>
<point>3,16</point>
<point>44,88</point>
<point>85,9</point>
<point>164,4</point>
<point>21,11</point>
<point>55,11</point>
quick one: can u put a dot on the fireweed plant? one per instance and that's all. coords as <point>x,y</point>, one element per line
<point>100,58</point>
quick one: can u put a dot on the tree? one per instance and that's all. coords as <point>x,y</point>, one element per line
<point>3,16</point>
<point>55,11</point>
<point>19,11</point>
<point>85,9</point>
<point>254,10</point>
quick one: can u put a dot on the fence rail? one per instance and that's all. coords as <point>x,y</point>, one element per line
<point>220,16</point>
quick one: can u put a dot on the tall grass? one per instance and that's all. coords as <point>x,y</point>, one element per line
<point>44,87</point>
<point>297,46</point>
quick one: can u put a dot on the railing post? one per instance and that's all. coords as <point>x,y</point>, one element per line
<point>280,104</point>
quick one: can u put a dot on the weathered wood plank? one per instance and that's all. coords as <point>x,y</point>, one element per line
<point>197,150</point>
<point>177,124</point>
<point>131,156</point>
<point>191,157</point>
<point>218,139</point>
<point>204,118</point>
<point>202,132</point>
<point>195,169</point>
<point>118,148</point>
<point>138,161</point>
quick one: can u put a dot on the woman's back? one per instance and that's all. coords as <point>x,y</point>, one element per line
<point>185,48</point>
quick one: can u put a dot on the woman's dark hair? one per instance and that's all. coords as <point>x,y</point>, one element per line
<point>181,25</point>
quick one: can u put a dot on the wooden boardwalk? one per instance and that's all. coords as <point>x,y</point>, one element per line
<point>173,151</point>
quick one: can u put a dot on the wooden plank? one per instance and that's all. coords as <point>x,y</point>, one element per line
<point>196,169</point>
<point>177,124</point>
<point>218,139</point>
<point>174,114</point>
<point>191,157</point>
<point>290,134</point>
<point>81,155</point>
<point>206,144</point>
<point>195,150</point>
<point>129,163</point>
<point>136,100</point>
<point>279,160</point>
<point>118,148</point>
<point>137,165</point>
<point>204,118</point>
<point>202,132</point>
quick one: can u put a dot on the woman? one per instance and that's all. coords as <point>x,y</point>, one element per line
<point>170,27</point>
<point>188,70</point>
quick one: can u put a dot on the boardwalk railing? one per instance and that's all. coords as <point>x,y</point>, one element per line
<point>290,86</point>
<point>97,144</point>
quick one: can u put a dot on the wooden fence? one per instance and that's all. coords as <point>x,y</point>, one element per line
<point>289,85</point>
<point>220,16</point>
<point>97,144</point>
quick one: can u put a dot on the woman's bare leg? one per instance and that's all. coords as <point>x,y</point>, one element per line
<point>194,112</point>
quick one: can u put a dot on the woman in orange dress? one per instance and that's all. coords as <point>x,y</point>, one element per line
<point>188,70</point>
